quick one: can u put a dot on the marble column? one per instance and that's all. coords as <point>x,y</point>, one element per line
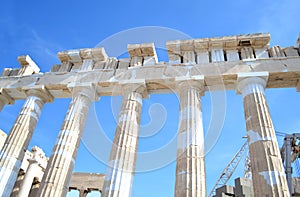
<point>58,173</point>
<point>13,151</point>
<point>37,165</point>
<point>267,169</point>
<point>190,167</point>
<point>4,99</point>
<point>120,172</point>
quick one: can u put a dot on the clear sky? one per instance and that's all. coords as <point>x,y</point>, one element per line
<point>43,28</point>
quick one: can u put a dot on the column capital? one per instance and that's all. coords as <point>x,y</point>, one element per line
<point>138,85</point>
<point>39,91</point>
<point>5,98</point>
<point>183,83</point>
<point>245,79</point>
<point>89,90</point>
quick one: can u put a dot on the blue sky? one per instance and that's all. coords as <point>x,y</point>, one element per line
<point>41,29</point>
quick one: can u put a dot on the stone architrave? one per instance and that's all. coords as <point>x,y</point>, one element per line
<point>121,166</point>
<point>267,169</point>
<point>190,168</point>
<point>58,173</point>
<point>12,153</point>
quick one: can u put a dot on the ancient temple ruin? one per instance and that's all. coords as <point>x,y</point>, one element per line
<point>245,63</point>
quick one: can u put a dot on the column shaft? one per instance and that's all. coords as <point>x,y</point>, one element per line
<point>16,144</point>
<point>267,168</point>
<point>58,173</point>
<point>121,166</point>
<point>28,179</point>
<point>190,168</point>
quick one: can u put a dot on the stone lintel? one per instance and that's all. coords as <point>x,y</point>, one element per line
<point>39,91</point>
<point>26,61</point>
<point>88,89</point>
<point>227,43</point>
<point>137,85</point>
<point>190,81</point>
<point>250,75</point>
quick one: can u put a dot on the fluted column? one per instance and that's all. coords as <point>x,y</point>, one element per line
<point>58,173</point>
<point>16,144</point>
<point>4,99</point>
<point>267,169</point>
<point>37,165</point>
<point>121,166</point>
<point>190,167</point>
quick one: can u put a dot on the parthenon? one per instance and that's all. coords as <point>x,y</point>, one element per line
<point>245,63</point>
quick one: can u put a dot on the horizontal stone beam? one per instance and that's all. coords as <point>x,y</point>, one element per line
<point>87,181</point>
<point>283,73</point>
<point>227,43</point>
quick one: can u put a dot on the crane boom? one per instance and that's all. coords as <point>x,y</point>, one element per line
<point>229,169</point>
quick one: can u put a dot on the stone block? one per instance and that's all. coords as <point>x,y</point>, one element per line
<point>226,189</point>
<point>186,45</point>
<point>123,63</point>
<point>232,55</point>
<point>247,53</point>
<point>243,181</point>
<point>26,61</point>
<point>63,56</point>
<point>111,63</point>
<point>291,51</point>
<point>65,67</point>
<point>149,61</point>
<point>216,43</point>
<point>201,44</point>
<point>189,57</point>
<point>76,67</point>
<point>55,68</point>
<point>203,57</point>
<point>230,42</point>
<point>99,54</point>
<point>148,49</point>
<point>134,50</point>
<point>217,55</point>
<point>243,190</point>
<point>26,71</point>
<point>261,53</point>
<point>87,65</point>
<point>6,72</point>
<point>99,65</point>
<point>174,59</point>
<point>74,56</point>
<point>136,61</point>
<point>276,51</point>
<point>14,72</point>
<point>173,47</point>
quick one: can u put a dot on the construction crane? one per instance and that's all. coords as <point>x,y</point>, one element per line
<point>290,152</point>
<point>229,169</point>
